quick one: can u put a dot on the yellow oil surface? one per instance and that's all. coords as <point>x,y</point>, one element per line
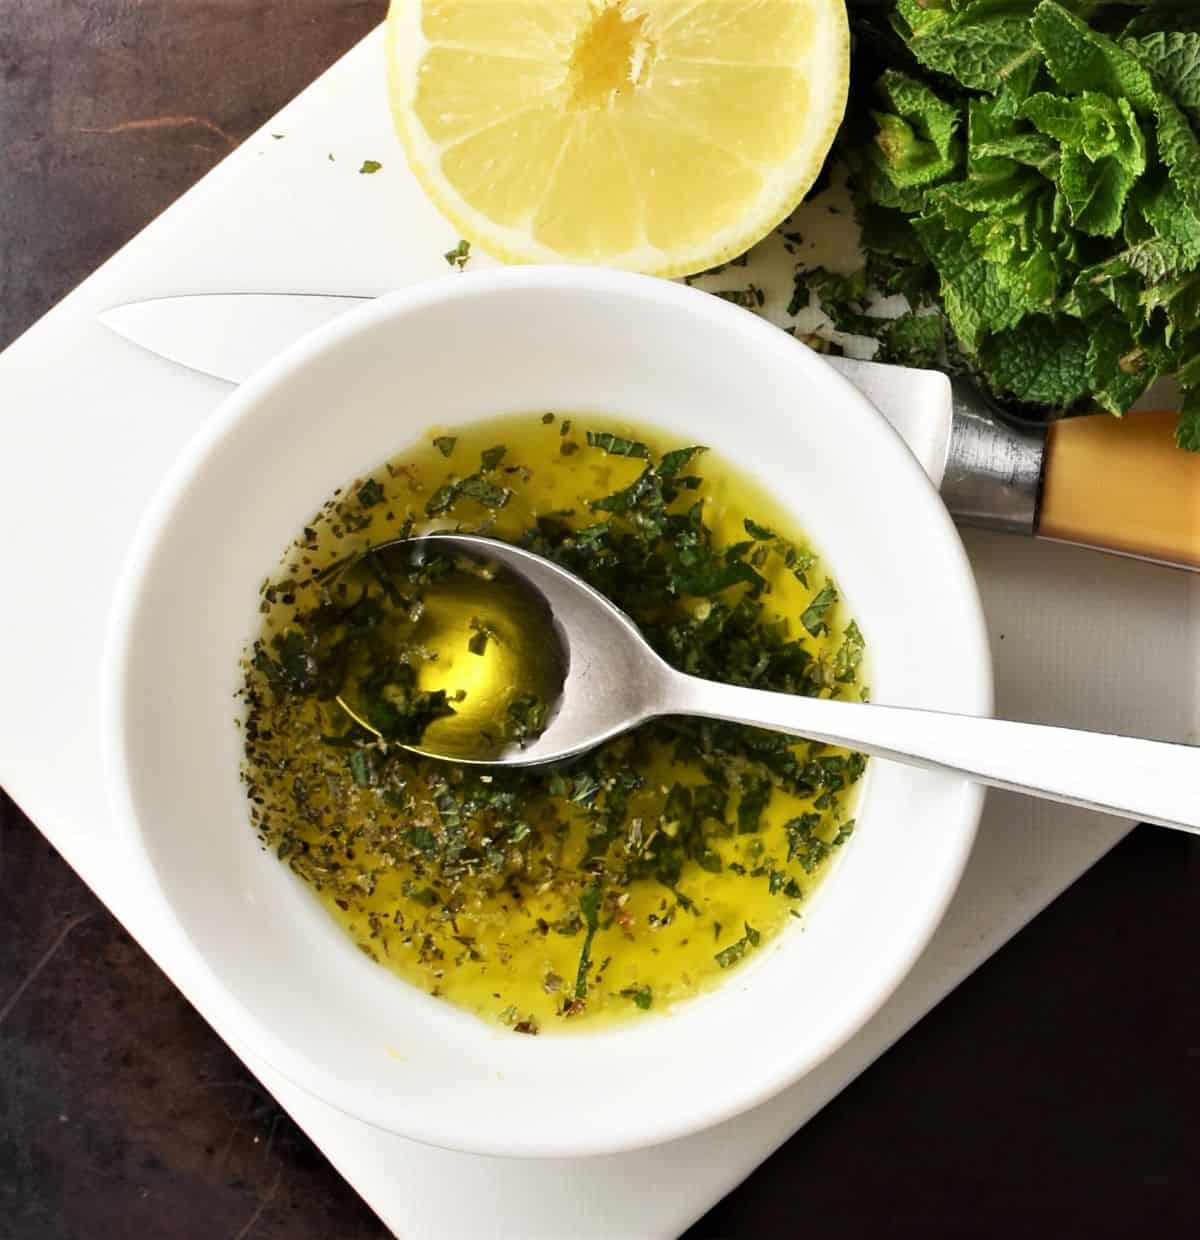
<point>511,951</point>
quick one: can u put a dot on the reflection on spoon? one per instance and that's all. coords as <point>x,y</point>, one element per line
<point>462,659</point>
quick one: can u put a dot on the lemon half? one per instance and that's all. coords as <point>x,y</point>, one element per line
<point>664,136</point>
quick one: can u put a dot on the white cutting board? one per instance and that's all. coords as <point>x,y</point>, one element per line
<point>88,424</point>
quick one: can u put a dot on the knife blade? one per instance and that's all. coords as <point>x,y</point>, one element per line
<point>992,471</point>
<point>226,335</point>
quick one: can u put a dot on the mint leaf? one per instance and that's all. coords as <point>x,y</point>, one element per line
<point>1187,433</point>
<point>1102,128</point>
<point>1103,154</point>
<point>1179,300</point>
<point>1167,219</point>
<point>1172,58</point>
<point>1154,260</point>
<point>1180,152</point>
<point>1181,15</point>
<point>1095,192</point>
<point>983,46</point>
<point>1035,176</point>
<point>1035,150</point>
<point>1081,59</point>
<point>989,121</point>
<point>1044,361</point>
<point>886,231</point>
<point>976,300</point>
<point>1119,370</point>
<point>915,144</point>
<point>1111,283</point>
<point>914,340</point>
<point>1055,115</point>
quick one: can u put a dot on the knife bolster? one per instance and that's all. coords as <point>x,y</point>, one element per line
<point>994,467</point>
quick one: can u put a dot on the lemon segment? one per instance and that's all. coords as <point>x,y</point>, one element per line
<point>659,135</point>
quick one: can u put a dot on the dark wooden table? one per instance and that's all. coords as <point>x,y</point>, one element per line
<point>1054,1094</point>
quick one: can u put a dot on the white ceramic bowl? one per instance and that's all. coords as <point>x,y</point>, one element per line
<point>274,969</point>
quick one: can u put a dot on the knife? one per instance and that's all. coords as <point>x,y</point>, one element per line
<point>1115,485</point>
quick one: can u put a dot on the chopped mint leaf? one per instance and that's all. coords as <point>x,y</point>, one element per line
<point>486,493</point>
<point>849,655</point>
<point>749,298</point>
<point>755,796</point>
<point>730,955</point>
<point>415,850</point>
<point>589,906</point>
<point>814,615</point>
<point>615,445</point>
<point>370,166</point>
<point>641,996</point>
<point>459,255</point>
<point>673,462</point>
<point>370,493</point>
<point>481,634</point>
<point>526,717</point>
<point>441,500</point>
<point>360,768</point>
<point>475,487</point>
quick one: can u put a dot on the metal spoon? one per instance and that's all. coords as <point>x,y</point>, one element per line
<point>615,681</point>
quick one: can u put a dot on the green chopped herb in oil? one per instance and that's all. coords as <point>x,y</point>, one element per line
<point>548,898</point>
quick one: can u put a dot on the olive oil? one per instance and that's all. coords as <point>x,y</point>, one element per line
<point>547,900</point>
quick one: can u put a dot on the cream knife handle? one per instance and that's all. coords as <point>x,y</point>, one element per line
<point>1149,781</point>
<point>1121,484</point>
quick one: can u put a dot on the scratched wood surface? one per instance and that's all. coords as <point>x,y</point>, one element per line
<point>1055,1093</point>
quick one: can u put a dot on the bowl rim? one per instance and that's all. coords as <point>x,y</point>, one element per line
<point>220,1004</point>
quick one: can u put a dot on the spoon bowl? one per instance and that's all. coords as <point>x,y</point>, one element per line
<point>613,680</point>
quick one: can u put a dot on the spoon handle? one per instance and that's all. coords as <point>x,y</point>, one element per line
<point>1150,781</point>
